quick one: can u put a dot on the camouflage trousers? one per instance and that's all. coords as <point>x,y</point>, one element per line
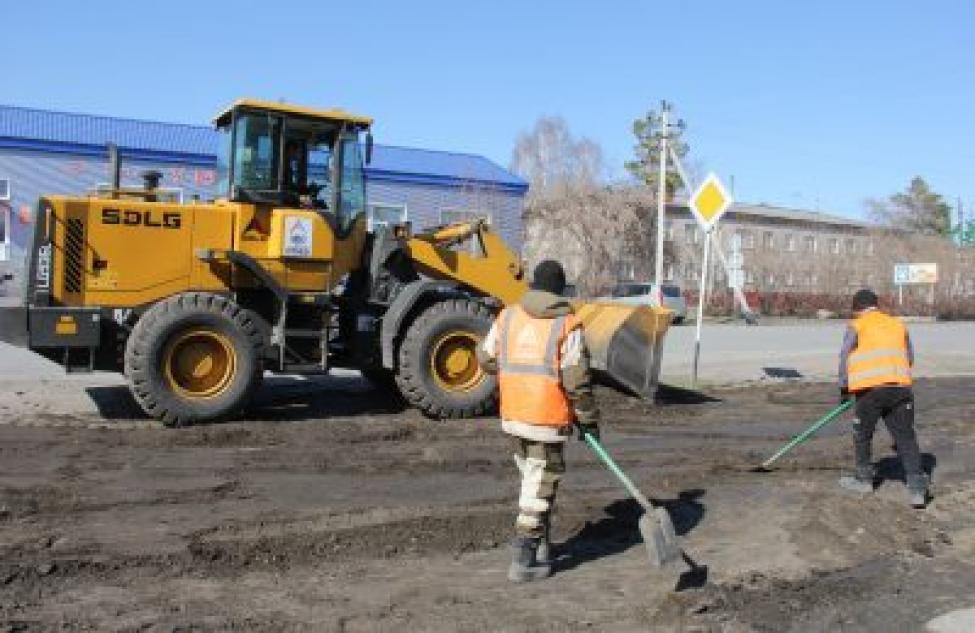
<point>541,465</point>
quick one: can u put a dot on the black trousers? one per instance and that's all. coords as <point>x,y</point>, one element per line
<point>896,406</point>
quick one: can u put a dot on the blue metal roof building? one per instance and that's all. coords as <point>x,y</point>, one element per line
<point>47,152</point>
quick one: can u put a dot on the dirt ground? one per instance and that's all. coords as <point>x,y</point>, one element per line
<point>332,510</point>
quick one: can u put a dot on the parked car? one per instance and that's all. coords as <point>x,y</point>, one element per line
<point>646,293</point>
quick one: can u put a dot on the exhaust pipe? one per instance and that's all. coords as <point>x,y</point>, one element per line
<point>115,168</point>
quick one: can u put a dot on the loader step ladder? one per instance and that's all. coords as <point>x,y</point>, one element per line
<point>68,360</point>
<point>290,360</point>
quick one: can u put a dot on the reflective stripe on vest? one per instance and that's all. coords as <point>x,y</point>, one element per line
<point>531,389</point>
<point>549,367</point>
<point>880,357</point>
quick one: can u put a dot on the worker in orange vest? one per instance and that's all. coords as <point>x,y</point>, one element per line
<point>875,367</point>
<point>538,351</point>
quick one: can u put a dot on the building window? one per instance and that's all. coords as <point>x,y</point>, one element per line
<point>747,239</point>
<point>834,246</point>
<point>386,215</point>
<point>810,243</point>
<point>768,240</point>
<point>627,271</point>
<point>790,242</point>
<point>691,233</point>
<point>790,279</point>
<point>749,277</point>
<point>851,246</point>
<point>4,189</point>
<point>870,247</point>
<point>669,272</point>
<point>669,230</point>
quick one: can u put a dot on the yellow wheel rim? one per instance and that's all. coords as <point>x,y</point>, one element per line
<point>199,364</point>
<point>453,361</point>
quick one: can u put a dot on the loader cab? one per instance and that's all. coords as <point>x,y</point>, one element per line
<point>281,155</point>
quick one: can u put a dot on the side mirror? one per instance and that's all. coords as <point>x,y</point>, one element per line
<point>368,147</point>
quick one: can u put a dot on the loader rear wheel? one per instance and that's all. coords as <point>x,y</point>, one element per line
<point>438,369</point>
<point>194,357</point>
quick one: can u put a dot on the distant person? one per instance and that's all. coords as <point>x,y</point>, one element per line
<point>538,351</point>
<point>875,367</point>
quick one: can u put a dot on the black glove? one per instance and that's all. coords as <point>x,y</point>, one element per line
<point>591,429</point>
<point>844,394</point>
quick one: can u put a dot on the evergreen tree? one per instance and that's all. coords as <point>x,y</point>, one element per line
<point>646,166</point>
<point>917,210</point>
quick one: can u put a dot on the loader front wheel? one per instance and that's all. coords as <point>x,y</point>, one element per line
<point>194,357</point>
<point>438,369</point>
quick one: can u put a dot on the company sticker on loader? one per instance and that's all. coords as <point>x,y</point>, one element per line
<point>298,240</point>
<point>44,267</point>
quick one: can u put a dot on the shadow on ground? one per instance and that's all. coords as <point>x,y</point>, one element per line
<point>890,468</point>
<point>618,532</point>
<point>280,399</point>
<point>783,373</point>
<point>669,395</point>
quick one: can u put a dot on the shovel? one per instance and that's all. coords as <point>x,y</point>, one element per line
<point>655,525</point>
<point>805,435</point>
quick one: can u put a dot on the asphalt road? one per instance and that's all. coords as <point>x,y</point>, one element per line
<point>733,353</point>
<point>730,354</point>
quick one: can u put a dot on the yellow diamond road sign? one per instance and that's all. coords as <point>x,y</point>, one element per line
<point>709,202</point>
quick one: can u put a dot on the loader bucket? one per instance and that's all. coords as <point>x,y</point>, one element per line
<point>626,343</point>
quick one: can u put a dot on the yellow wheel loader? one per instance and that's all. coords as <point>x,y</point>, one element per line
<point>195,301</point>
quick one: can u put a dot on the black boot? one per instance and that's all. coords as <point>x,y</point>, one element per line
<point>917,490</point>
<point>525,566</point>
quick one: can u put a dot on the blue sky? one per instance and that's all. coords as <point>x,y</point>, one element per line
<point>806,103</point>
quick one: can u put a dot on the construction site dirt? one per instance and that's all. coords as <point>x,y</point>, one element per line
<point>336,510</point>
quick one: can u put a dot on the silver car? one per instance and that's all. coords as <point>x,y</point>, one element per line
<point>646,294</point>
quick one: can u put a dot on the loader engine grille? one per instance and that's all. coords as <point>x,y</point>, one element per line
<point>74,248</point>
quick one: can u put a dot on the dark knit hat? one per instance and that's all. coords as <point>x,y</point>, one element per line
<point>549,276</point>
<point>864,299</point>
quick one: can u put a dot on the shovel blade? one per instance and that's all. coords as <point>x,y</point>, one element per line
<point>660,538</point>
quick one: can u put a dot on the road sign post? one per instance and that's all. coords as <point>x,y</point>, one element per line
<point>708,203</point>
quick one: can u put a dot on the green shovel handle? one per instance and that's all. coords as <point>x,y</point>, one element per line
<point>614,468</point>
<point>805,435</point>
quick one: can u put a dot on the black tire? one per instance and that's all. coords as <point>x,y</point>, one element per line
<point>678,320</point>
<point>161,338</point>
<point>415,376</point>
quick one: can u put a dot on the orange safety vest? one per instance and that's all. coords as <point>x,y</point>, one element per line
<point>528,367</point>
<point>880,357</point>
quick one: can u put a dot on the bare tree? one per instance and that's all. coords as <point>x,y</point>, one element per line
<point>592,232</point>
<point>553,161</point>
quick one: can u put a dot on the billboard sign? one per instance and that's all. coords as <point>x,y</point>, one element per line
<point>915,274</point>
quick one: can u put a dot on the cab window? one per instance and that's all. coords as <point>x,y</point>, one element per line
<point>353,198</point>
<point>256,152</point>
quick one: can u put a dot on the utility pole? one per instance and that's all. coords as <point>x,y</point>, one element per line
<point>658,271</point>
<point>961,220</point>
